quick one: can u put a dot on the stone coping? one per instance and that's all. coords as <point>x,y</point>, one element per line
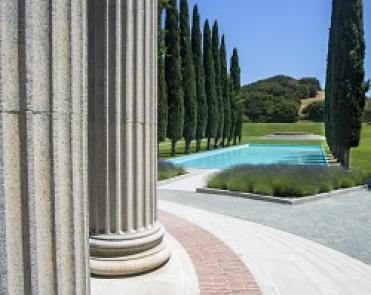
<point>172,179</point>
<point>279,200</point>
<point>293,133</point>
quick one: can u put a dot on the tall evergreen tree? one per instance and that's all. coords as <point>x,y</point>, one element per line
<point>162,91</point>
<point>199,77</point>
<point>239,123</point>
<point>233,106</point>
<point>328,96</point>
<point>346,89</point>
<point>173,75</point>
<point>235,73</point>
<point>218,86</point>
<point>225,92</point>
<point>188,74</point>
<point>211,97</point>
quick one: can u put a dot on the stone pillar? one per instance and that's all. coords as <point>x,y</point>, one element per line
<point>125,237</point>
<point>43,223</point>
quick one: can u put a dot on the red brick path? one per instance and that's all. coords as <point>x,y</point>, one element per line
<point>220,271</point>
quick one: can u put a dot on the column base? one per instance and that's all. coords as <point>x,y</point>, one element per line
<point>124,257</point>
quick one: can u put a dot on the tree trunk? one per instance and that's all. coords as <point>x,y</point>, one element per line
<point>235,140</point>
<point>334,151</point>
<point>173,147</point>
<point>340,154</point>
<point>216,143</point>
<point>208,144</point>
<point>187,146</point>
<point>346,158</point>
<point>198,145</point>
<point>223,142</point>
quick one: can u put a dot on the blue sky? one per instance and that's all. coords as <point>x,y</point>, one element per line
<point>278,36</point>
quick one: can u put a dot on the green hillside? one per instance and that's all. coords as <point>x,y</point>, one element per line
<point>277,99</point>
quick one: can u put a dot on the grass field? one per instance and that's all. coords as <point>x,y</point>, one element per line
<point>253,133</point>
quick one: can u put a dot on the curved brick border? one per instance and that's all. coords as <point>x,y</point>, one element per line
<point>220,271</point>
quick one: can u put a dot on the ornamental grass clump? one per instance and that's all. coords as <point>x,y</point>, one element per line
<point>168,170</point>
<point>286,180</point>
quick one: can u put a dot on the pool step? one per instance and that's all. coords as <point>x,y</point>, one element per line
<point>331,160</point>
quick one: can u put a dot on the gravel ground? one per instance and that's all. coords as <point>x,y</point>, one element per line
<point>342,222</point>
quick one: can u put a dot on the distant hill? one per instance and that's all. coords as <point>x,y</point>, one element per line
<point>277,99</point>
<point>307,101</point>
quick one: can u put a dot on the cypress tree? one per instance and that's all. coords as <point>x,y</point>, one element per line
<point>162,91</point>
<point>218,88</point>
<point>211,97</point>
<point>188,74</point>
<point>235,73</point>
<point>199,78</point>
<point>225,92</point>
<point>233,107</point>
<point>328,96</point>
<point>239,123</point>
<point>173,76</point>
<point>347,87</point>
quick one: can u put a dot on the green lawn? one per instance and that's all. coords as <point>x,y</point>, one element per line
<point>252,133</point>
<point>361,156</point>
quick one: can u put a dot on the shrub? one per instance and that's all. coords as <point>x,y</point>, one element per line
<point>286,180</point>
<point>273,100</point>
<point>315,111</point>
<point>263,189</point>
<point>312,85</point>
<point>168,170</point>
<point>325,187</point>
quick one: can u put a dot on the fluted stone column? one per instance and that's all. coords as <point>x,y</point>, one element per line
<point>43,220</point>
<point>125,237</point>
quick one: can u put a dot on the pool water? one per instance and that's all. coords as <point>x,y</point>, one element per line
<point>255,154</point>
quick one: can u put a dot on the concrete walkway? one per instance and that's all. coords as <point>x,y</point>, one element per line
<point>342,223</point>
<point>195,178</point>
<point>282,263</point>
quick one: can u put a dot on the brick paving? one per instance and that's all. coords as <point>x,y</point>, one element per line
<point>220,271</point>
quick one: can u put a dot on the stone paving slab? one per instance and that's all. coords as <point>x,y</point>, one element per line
<point>177,277</point>
<point>195,178</point>
<point>282,263</point>
<point>342,223</point>
<point>294,137</point>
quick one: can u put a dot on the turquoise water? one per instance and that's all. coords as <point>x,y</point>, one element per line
<point>255,154</point>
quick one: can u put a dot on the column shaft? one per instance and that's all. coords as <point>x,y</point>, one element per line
<point>122,136</point>
<point>43,218</point>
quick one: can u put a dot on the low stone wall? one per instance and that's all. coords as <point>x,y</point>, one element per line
<point>285,201</point>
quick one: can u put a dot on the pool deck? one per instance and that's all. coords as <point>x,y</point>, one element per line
<point>308,137</point>
<point>194,179</point>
